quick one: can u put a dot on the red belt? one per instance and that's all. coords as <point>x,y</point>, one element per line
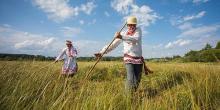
<point>129,56</point>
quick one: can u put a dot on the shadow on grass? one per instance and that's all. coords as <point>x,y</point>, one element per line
<point>166,82</point>
<point>105,74</point>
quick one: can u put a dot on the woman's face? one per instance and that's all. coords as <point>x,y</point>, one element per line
<point>68,45</point>
<point>131,26</point>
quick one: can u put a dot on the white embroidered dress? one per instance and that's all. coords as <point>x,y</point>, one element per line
<point>70,64</point>
<point>132,46</point>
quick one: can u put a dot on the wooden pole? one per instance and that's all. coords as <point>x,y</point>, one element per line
<point>99,58</point>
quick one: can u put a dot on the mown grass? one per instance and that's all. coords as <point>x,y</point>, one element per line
<point>39,86</point>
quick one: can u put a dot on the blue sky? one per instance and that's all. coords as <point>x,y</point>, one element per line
<point>170,27</point>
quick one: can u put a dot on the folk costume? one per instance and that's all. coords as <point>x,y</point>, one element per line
<point>70,65</point>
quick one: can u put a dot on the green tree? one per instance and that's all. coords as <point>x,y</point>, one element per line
<point>218,45</point>
<point>207,47</point>
<point>176,56</point>
<point>192,56</point>
<point>210,55</point>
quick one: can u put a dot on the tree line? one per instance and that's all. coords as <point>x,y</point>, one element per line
<point>21,57</point>
<point>206,54</point>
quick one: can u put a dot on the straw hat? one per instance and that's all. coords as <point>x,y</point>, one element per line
<point>68,42</point>
<point>132,20</point>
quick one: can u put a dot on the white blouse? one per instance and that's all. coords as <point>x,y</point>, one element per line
<point>68,53</point>
<point>132,44</point>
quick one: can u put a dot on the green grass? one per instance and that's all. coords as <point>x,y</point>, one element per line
<point>178,86</point>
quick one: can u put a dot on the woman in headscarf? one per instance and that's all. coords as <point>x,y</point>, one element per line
<point>70,65</point>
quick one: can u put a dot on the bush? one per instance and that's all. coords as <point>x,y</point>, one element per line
<point>218,45</point>
<point>192,56</point>
<point>211,55</point>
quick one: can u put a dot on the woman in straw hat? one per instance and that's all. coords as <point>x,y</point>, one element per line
<point>70,65</point>
<point>133,59</point>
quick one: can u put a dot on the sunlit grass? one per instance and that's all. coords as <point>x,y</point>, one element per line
<point>38,85</point>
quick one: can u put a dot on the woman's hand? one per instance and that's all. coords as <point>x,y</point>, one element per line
<point>55,61</point>
<point>98,55</point>
<point>118,35</point>
<point>71,56</point>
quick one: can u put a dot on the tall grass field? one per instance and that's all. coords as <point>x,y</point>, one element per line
<point>36,85</point>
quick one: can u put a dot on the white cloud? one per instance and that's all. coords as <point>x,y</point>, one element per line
<point>157,46</point>
<point>194,1</point>
<point>7,25</point>
<point>197,37</point>
<point>89,47</point>
<point>57,10</point>
<point>82,47</point>
<point>47,41</point>
<point>60,10</point>
<point>191,17</point>
<point>88,7</point>
<point>144,13</point>
<point>185,26</point>
<point>200,1</point>
<point>201,31</point>
<point>42,22</point>
<point>14,41</point>
<point>177,47</point>
<point>184,1</point>
<point>20,42</point>
<point>122,6</point>
<point>33,44</point>
<point>81,22</point>
<point>177,20</point>
<point>71,31</point>
<point>92,22</point>
<point>106,14</point>
<point>4,29</point>
<point>179,42</point>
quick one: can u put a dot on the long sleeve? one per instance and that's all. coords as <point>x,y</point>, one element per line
<point>60,56</point>
<point>74,52</point>
<point>111,47</point>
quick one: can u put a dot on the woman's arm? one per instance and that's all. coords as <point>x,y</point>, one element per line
<point>74,52</point>
<point>111,47</point>
<point>60,56</point>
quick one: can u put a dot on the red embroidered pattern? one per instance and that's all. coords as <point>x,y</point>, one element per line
<point>71,51</point>
<point>70,71</point>
<point>133,60</point>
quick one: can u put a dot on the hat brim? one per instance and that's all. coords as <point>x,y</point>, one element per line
<point>132,23</point>
<point>68,43</point>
